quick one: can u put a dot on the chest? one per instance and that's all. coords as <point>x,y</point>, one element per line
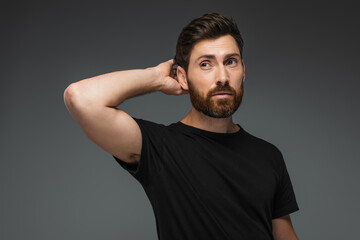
<point>220,173</point>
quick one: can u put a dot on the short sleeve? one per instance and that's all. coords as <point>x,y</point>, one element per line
<point>285,200</point>
<point>151,148</point>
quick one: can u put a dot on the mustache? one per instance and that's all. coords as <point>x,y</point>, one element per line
<point>221,88</point>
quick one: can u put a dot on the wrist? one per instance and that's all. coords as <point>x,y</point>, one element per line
<point>155,77</point>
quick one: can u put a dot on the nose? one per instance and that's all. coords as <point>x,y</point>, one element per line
<point>222,76</point>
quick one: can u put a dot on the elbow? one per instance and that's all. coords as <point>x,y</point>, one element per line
<point>69,95</point>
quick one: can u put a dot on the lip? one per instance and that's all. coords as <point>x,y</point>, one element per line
<point>222,93</point>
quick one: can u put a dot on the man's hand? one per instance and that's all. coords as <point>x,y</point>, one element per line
<point>168,79</point>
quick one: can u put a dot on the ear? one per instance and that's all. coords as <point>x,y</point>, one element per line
<point>181,77</point>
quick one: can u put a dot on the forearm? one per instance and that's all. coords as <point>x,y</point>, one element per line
<point>283,229</point>
<point>286,236</point>
<point>111,89</point>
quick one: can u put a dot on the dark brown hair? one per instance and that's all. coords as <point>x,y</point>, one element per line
<point>208,26</point>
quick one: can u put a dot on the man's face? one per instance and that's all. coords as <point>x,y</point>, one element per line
<point>215,77</point>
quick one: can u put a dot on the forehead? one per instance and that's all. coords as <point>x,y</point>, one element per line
<point>219,47</point>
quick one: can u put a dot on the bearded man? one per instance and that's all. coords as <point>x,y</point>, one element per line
<point>205,176</point>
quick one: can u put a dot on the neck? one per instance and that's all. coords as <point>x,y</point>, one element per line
<point>199,120</point>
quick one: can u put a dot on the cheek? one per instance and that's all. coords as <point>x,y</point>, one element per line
<point>237,78</point>
<point>202,80</point>
<point>236,72</point>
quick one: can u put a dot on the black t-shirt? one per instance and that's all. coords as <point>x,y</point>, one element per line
<point>207,185</point>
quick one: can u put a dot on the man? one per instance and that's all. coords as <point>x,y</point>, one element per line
<point>206,177</point>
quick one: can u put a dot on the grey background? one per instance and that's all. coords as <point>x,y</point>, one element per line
<point>301,94</point>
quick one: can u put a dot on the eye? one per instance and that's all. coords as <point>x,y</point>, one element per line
<point>232,61</point>
<point>204,64</point>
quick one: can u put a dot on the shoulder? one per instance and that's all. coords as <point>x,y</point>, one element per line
<point>150,126</point>
<point>266,149</point>
<point>262,143</point>
<point>148,123</point>
<point>151,130</point>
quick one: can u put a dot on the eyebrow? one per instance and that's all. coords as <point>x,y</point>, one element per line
<point>213,56</point>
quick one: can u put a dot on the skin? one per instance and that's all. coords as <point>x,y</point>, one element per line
<point>283,229</point>
<point>207,74</point>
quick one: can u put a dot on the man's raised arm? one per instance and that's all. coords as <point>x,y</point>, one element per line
<point>92,103</point>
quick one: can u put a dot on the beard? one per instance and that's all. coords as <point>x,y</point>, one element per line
<point>216,108</point>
